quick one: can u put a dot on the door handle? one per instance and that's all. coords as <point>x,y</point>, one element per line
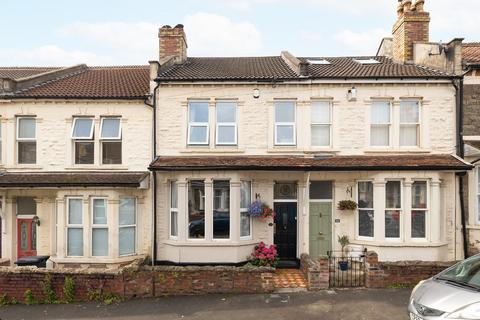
<point>320,233</point>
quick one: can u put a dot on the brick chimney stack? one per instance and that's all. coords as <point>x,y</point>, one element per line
<point>173,43</point>
<point>412,26</point>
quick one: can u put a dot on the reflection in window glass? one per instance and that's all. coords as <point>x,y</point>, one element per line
<point>221,209</point>
<point>173,209</point>
<point>245,200</point>
<point>321,190</point>
<point>127,226</point>
<point>320,123</point>
<point>285,123</point>
<point>285,191</point>
<point>198,123</point>
<point>196,209</point>
<point>365,209</point>
<point>419,209</point>
<point>393,202</point>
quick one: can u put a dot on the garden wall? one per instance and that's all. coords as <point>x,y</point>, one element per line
<point>136,281</point>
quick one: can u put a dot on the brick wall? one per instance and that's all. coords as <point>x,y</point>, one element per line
<point>139,281</point>
<point>471,116</point>
<point>315,271</point>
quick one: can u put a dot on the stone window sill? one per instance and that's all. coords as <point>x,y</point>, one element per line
<point>95,167</point>
<point>88,260</point>
<point>411,244</point>
<point>226,243</point>
<point>389,150</point>
<point>210,151</point>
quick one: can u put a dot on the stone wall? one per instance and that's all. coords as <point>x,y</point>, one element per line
<point>471,115</point>
<point>315,271</point>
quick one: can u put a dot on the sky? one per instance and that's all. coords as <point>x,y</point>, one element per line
<point>125,32</point>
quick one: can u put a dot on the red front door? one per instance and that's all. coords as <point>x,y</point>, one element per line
<point>26,238</point>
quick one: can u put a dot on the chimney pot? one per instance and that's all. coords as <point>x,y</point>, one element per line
<point>407,5</point>
<point>419,4</point>
<point>173,44</point>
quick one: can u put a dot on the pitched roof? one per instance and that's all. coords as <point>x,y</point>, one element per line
<point>471,52</point>
<point>115,82</point>
<point>16,73</point>
<point>298,163</point>
<point>275,68</point>
<point>72,179</point>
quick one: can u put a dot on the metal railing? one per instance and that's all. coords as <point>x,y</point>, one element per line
<point>346,270</point>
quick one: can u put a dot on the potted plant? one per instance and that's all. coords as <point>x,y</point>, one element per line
<point>345,205</point>
<point>343,241</point>
<point>264,256</point>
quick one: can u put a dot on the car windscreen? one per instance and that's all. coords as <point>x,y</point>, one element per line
<point>466,272</point>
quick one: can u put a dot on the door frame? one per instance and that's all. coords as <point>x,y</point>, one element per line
<point>23,217</point>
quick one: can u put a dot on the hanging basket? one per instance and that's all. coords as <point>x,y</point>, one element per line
<point>259,209</point>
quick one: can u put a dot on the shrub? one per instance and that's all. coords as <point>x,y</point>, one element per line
<point>50,296</point>
<point>264,256</point>
<point>29,297</point>
<point>69,290</point>
<point>347,205</point>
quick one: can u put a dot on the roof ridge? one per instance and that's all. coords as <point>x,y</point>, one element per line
<point>40,84</point>
<point>133,66</point>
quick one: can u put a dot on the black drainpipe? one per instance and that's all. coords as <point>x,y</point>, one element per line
<point>154,156</point>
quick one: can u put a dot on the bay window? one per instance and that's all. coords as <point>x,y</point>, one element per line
<point>226,120</point>
<point>196,209</point>
<point>366,213</point>
<point>478,195</point>
<point>409,123</point>
<point>245,200</point>
<point>75,227</point>
<point>111,140</point>
<point>0,140</point>
<point>99,227</point>
<point>26,140</point>
<point>198,127</point>
<point>82,136</point>
<point>173,209</point>
<point>127,233</point>
<point>221,209</point>
<point>285,127</point>
<point>321,122</point>
<point>380,116</point>
<point>419,209</point>
<point>393,209</point>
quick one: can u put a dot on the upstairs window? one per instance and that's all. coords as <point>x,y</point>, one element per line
<point>198,127</point>
<point>321,116</point>
<point>226,113</point>
<point>409,123</point>
<point>82,136</point>
<point>26,140</point>
<point>380,116</point>
<point>285,127</point>
<point>111,140</point>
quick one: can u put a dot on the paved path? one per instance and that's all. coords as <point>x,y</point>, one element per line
<point>355,304</point>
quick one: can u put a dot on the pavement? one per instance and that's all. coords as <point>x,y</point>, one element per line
<point>355,304</point>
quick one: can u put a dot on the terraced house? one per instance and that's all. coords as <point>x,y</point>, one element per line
<point>75,146</point>
<point>302,134</point>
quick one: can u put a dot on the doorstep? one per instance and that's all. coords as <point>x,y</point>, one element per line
<point>289,280</point>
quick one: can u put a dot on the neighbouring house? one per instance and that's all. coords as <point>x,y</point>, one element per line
<point>74,150</point>
<point>301,134</point>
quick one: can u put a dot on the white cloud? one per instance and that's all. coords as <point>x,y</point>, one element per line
<point>50,55</point>
<point>362,42</point>
<point>215,35</point>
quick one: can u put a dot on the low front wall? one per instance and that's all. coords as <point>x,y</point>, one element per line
<point>136,282</point>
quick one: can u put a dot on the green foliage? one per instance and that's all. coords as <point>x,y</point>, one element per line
<point>98,296</point>
<point>346,205</point>
<point>29,298</point>
<point>47,287</point>
<point>110,298</point>
<point>94,295</point>
<point>3,299</point>
<point>13,301</point>
<point>343,241</point>
<point>69,290</point>
<point>399,286</point>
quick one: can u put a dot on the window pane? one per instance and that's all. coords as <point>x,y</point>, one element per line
<point>321,190</point>
<point>244,224</point>
<point>221,209</point>
<point>99,211</point>
<point>34,236</point>
<point>380,112</point>
<point>126,237</point>
<point>112,152</point>
<point>173,195</point>
<point>380,136</point>
<point>392,224</point>
<point>26,128</point>
<point>75,242</point>
<point>285,134</point>
<point>321,112</point>
<point>285,191</point>
<point>174,223</point>
<point>198,134</point>
<point>110,128</point>
<point>196,209</point>
<point>409,112</point>
<point>84,152</point>
<point>99,242</point>
<point>127,211</point>
<point>245,194</point>
<point>75,211</point>
<point>82,129</point>
<point>393,194</point>
<point>418,224</point>
<point>26,205</point>
<point>285,112</point>
<point>408,135</point>
<point>226,112</point>
<point>419,195</point>
<point>365,223</point>
<point>198,112</point>
<point>320,135</point>
<point>226,134</point>
<point>27,152</point>
<point>365,194</point>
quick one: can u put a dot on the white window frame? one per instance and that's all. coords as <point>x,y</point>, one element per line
<point>92,128</point>
<point>426,210</point>
<point>99,226</point>
<point>119,137</point>
<point>357,229</point>
<point>129,226</point>
<point>25,139</point>
<point>198,124</point>
<point>172,210</point>
<point>389,124</point>
<point>401,212</point>
<point>410,124</point>
<point>286,124</point>
<point>1,141</point>
<point>74,226</point>
<point>245,210</point>
<point>226,124</point>
<point>322,124</point>
<point>477,188</point>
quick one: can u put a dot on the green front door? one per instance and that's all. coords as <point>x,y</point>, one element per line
<point>320,228</point>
